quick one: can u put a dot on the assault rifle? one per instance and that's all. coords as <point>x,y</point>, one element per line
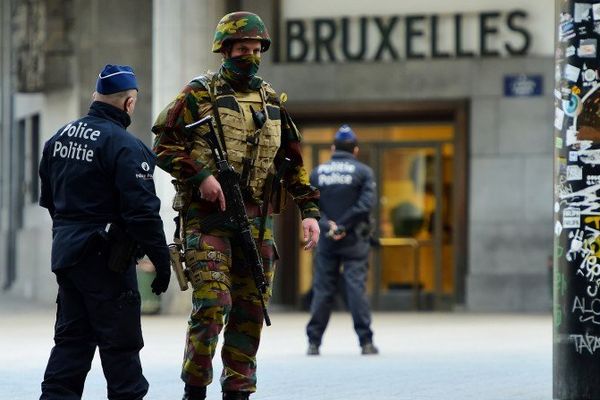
<point>235,211</point>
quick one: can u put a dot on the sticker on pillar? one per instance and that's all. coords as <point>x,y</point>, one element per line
<point>582,12</point>
<point>596,12</point>
<point>558,143</point>
<point>559,118</point>
<point>582,145</point>
<point>571,218</point>
<point>587,48</point>
<point>570,51</point>
<point>557,94</point>
<point>566,29</point>
<point>591,157</point>
<point>572,73</point>
<point>590,76</point>
<point>573,156</point>
<point>557,228</point>
<point>571,136</point>
<point>592,180</point>
<point>572,107</point>
<point>597,27</point>
<point>574,173</point>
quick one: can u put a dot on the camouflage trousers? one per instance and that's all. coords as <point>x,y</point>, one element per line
<point>225,299</point>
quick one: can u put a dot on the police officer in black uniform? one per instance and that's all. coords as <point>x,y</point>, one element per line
<point>97,185</point>
<point>347,191</point>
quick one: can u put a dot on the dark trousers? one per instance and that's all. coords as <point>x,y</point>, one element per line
<point>96,307</point>
<point>329,259</point>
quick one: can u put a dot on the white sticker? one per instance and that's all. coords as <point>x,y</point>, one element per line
<point>591,157</point>
<point>571,218</point>
<point>557,94</point>
<point>570,51</point>
<point>559,118</point>
<point>557,228</point>
<point>572,73</point>
<point>582,12</point>
<point>574,173</point>
<point>590,75</point>
<point>587,48</point>
<point>596,8</point>
<point>573,156</point>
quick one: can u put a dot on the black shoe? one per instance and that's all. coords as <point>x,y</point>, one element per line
<point>313,349</point>
<point>231,395</point>
<point>368,349</point>
<point>194,392</point>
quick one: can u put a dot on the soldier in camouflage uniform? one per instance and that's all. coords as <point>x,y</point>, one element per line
<point>224,291</point>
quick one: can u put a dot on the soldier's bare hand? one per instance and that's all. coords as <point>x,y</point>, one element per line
<point>210,190</point>
<point>310,229</point>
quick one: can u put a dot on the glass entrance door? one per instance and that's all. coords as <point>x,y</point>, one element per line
<point>414,226</point>
<point>413,267</point>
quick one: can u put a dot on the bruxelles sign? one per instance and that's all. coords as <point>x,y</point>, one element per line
<point>408,37</point>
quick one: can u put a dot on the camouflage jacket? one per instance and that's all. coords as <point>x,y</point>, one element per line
<point>188,159</point>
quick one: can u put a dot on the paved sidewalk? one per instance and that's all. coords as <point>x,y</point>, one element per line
<point>428,356</point>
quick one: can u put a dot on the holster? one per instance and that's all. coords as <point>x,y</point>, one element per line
<point>183,194</point>
<point>177,260</point>
<point>123,250</point>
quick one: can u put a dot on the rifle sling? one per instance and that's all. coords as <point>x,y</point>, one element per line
<point>213,100</point>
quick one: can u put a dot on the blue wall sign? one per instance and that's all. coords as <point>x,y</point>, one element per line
<point>521,85</point>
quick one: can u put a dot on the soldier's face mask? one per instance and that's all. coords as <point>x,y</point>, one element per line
<point>241,68</point>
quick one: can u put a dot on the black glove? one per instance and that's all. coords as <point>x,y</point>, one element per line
<point>161,282</point>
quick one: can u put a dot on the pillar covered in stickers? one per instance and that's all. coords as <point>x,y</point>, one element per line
<point>577,202</point>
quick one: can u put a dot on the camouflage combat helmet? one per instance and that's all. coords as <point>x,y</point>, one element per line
<point>240,25</point>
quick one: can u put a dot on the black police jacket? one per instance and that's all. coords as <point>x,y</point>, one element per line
<point>94,172</point>
<point>347,190</point>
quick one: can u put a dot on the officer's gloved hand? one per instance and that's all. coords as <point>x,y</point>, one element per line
<point>161,282</point>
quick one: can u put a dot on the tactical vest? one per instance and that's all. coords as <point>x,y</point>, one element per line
<point>249,151</point>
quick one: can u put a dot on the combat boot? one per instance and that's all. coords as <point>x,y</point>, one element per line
<point>313,349</point>
<point>368,349</point>
<point>234,395</point>
<point>194,392</point>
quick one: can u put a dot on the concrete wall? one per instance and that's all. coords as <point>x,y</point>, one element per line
<point>116,32</point>
<point>34,279</point>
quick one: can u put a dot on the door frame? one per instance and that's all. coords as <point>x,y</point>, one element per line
<point>455,112</point>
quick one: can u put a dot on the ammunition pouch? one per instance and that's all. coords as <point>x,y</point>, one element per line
<point>198,275</point>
